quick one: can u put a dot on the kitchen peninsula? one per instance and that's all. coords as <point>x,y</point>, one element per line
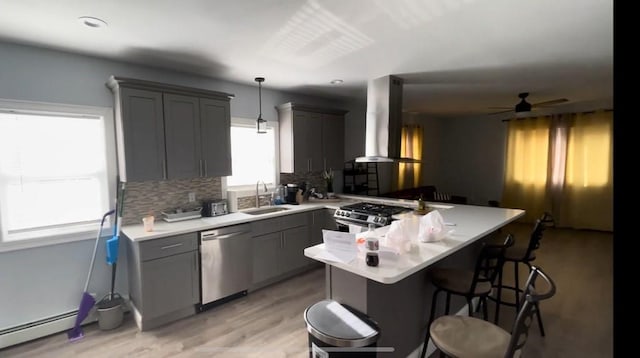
<point>397,293</point>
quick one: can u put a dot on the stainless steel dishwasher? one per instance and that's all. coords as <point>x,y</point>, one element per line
<point>225,264</point>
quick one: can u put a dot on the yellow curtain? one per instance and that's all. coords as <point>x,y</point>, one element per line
<point>586,199</point>
<point>409,174</point>
<point>526,167</point>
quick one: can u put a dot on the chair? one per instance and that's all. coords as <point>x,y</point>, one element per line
<point>518,255</point>
<point>469,283</point>
<point>461,336</point>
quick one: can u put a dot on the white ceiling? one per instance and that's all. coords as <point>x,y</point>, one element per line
<point>457,57</point>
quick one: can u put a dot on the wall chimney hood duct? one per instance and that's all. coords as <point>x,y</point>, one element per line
<point>384,121</point>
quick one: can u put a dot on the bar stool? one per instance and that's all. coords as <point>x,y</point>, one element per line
<point>469,283</point>
<point>460,336</point>
<point>521,255</point>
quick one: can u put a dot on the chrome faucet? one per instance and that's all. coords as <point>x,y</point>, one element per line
<point>258,196</point>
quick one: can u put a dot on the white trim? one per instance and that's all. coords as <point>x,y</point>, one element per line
<point>103,113</point>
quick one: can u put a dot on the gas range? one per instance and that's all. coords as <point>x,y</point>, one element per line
<point>365,213</point>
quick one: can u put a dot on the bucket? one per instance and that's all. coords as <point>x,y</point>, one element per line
<point>110,311</point>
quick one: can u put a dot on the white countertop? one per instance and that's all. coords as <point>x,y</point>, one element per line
<point>471,224</point>
<point>162,228</point>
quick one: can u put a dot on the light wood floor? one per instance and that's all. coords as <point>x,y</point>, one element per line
<point>268,323</point>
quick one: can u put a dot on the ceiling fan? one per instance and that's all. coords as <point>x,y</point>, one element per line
<point>524,106</point>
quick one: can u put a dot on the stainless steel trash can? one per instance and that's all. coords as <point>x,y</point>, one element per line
<point>337,331</point>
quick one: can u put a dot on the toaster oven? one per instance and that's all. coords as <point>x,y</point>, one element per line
<point>214,207</point>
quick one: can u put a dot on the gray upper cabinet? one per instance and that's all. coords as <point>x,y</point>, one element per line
<point>311,138</point>
<point>170,132</point>
<point>215,125</point>
<point>182,136</point>
<point>333,141</point>
<point>144,136</point>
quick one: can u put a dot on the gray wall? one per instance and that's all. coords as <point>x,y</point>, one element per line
<point>46,281</point>
<point>470,162</point>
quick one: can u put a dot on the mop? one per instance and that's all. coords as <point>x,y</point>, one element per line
<point>113,299</point>
<point>87,301</point>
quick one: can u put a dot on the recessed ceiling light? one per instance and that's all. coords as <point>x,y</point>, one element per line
<point>92,22</point>
<point>336,82</point>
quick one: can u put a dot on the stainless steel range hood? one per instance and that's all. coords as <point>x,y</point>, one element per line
<point>384,121</point>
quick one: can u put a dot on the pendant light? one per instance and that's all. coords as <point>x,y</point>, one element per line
<point>261,124</point>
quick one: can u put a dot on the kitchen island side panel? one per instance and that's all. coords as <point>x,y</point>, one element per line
<point>401,309</point>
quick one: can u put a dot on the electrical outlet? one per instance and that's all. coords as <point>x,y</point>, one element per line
<point>192,197</point>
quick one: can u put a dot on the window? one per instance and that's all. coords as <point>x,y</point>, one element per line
<point>253,155</point>
<point>563,165</point>
<point>54,170</point>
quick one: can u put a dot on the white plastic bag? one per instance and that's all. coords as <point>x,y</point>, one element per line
<point>432,227</point>
<point>398,237</point>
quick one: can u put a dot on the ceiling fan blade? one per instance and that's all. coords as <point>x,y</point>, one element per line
<point>503,107</point>
<point>549,103</point>
<point>508,110</point>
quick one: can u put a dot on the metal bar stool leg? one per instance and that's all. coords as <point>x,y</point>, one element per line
<point>446,310</point>
<point>432,314</point>
<point>484,308</point>
<point>539,319</point>
<point>517,286</point>
<point>470,306</point>
<point>499,297</point>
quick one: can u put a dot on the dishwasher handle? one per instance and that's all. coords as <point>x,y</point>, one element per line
<point>212,235</point>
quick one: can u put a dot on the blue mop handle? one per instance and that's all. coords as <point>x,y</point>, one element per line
<point>112,244</point>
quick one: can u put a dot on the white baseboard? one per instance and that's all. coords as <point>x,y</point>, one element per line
<point>430,347</point>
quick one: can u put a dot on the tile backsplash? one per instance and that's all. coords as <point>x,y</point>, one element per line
<point>314,179</point>
<point>143,198</point>
<point>152,197</point>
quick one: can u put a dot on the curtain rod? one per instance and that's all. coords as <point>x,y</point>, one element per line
<point>586,112</point>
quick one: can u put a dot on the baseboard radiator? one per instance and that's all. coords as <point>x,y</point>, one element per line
<point>42,328</point>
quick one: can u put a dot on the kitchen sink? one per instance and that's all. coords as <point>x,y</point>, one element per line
<point>267,210</point>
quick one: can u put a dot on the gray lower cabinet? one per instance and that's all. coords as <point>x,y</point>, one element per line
<point>266,250</point>
<point>164,283</point>
<point>170,132</point>
<point>278,247</point>
<point>322,219</point>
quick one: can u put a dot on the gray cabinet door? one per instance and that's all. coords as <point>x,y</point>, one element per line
<point>307,141</point>
<point>182,136</point>
<point>292,254</point>
<point>266,250</point>
<point>322,219</point>
<point>333,141</point>
<point>316,227</point>
<point>143,130</point>
<point>215,125</point>
<point>169,284</point>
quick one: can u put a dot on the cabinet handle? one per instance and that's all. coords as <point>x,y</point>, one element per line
<point>324,164</point>
<point>171,246</point>
<point>309,165</point>
<point>164,169</point>
<point>205,168</point>
<point>200,167</point>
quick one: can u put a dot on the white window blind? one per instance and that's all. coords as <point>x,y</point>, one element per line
<point>53,173</point>
<point>253,155</point>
